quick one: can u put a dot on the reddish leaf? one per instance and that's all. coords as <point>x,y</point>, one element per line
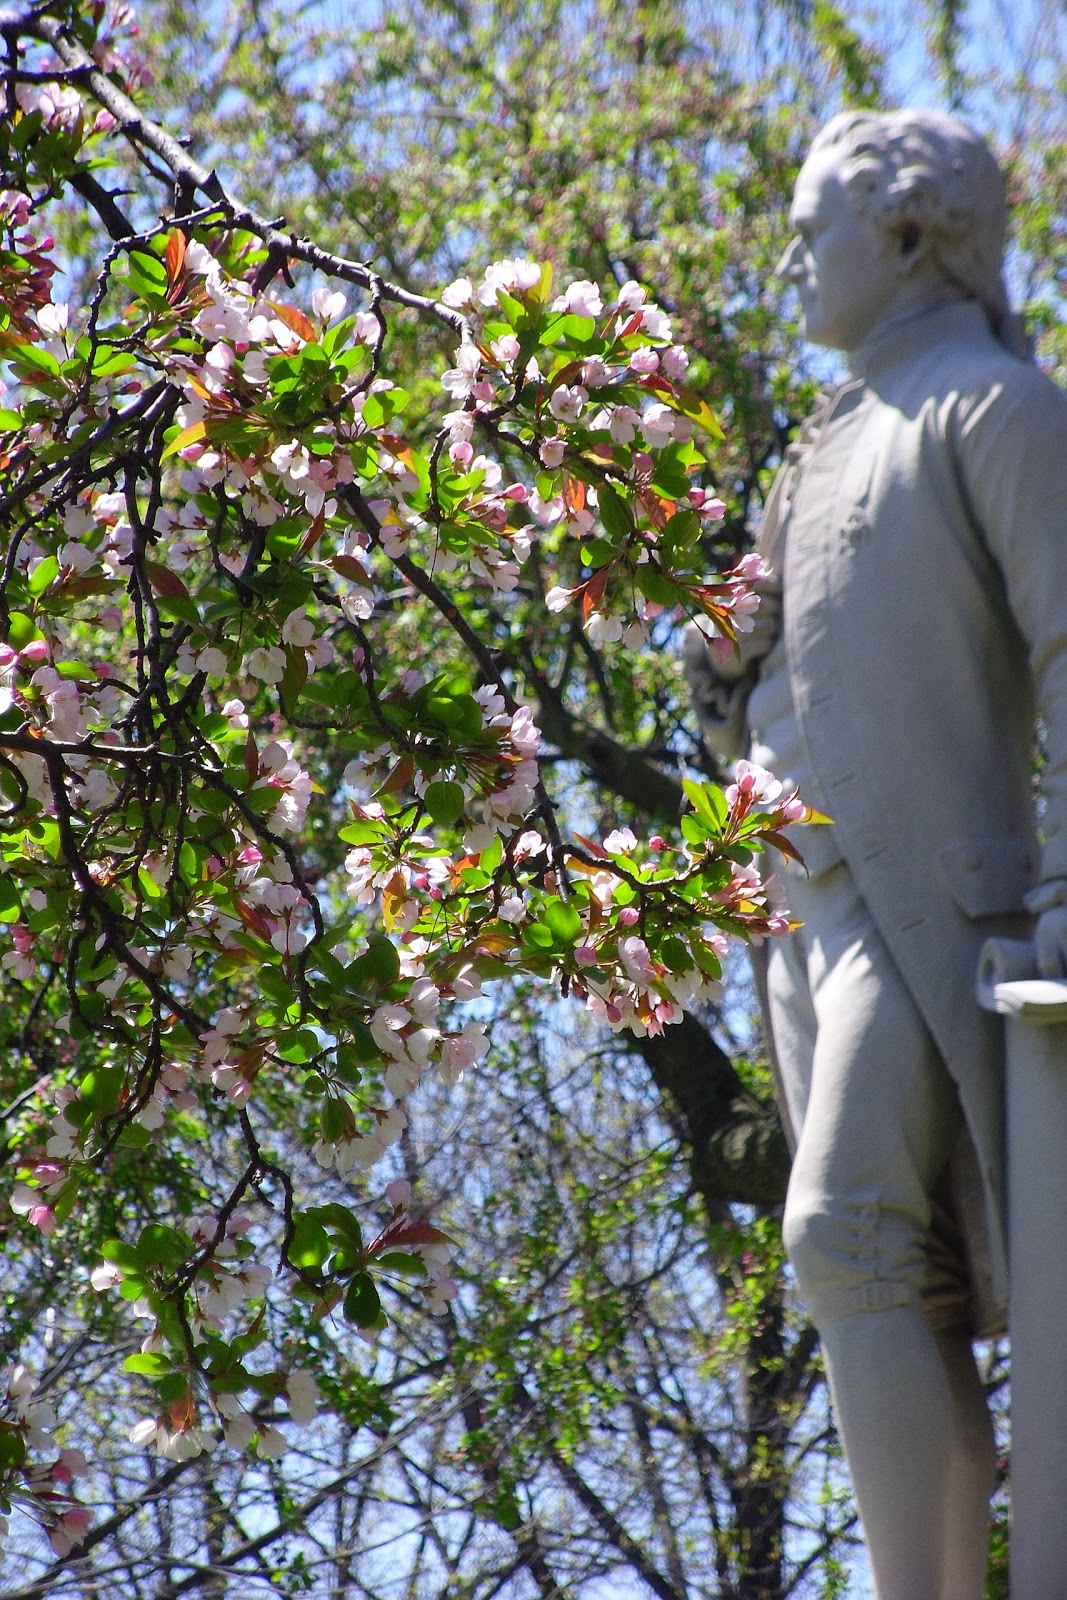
<point>633,326</point>
<point>352,569</point>
<point>165,580</point>
<point>399,778</point>
<point>314,533</point>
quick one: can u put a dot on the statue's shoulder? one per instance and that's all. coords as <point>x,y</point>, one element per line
<point>982,379</point>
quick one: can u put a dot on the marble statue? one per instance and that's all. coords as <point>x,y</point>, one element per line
<point>915,622</point>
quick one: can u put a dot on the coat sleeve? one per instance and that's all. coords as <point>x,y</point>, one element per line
<point>1012,444</point>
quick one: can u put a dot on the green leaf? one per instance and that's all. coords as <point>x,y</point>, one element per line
<point>708,801</point>
<point>148,275</point>
<point>334,1119</point>
<point>121,1255</point>
<point>401,1261</point>
<point>160,1245</point>
<point>564,921</point>
<point>336,1216</point>
<point>171,1387</point>
<point>10,421</point>
<point>45,573</point>
<point>10,904</point>
<point>445,802</point>
<point>362,1304</point>
<point>21,630</point>
<point>674,953</point>
<point>294,678</point>
<point>148,1365</point>
<point>379,964</point>
<point>311,1243</point>
<point>613,512</point>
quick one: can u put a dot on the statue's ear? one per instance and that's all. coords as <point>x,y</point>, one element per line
<point>914,246</point>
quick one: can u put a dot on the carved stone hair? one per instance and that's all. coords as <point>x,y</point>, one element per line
<point>928,172</point>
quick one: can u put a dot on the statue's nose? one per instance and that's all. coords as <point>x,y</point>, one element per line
<point>789,266</point>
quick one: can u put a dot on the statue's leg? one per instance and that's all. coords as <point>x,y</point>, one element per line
<point>878,1118</point>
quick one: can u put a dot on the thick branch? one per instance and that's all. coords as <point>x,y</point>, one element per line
<point>618,767</point>
<point>737,1149</point>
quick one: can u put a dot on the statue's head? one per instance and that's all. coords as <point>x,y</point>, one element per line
<point>894,204</point>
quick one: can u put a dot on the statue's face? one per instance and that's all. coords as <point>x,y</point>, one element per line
<point>845,267</point>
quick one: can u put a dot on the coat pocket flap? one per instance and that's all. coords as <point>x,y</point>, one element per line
<point>989,877</point>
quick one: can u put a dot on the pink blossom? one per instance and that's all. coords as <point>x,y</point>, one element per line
<point>581,299</point>
<point>658,425</point>
<point>633,953</point>
<point>601,629</point>
<point>567,402</point>
<point>644,359</point>
<point>398,1193</point>
<point>328,304</point>
<point>631,296</point>
<point>750,569</point>
<point>623,422</point>
<point>674,361</point>
<point>506,348</point>
<point>303,1393</point>
<point>620,842</point>
<point>460,380</point>
<point>551,453</point>
<point>752,785</point>
<point>458,294</point>
<point>513,276</point>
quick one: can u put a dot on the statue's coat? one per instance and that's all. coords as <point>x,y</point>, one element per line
<point>925,573</point>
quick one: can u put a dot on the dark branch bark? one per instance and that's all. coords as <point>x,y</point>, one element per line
<point>626,772</point>
<point>737,1149</point>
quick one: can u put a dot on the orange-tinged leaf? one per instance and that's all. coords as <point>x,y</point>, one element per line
<point>295,319</point>
<point>251,757</point>
<point>393,897</point>
<point>182,1412</point>
<point>574,494</point>
<point>174,255</point>
<point>190,435</point>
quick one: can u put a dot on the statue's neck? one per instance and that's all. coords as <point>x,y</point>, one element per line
<point>912,300</point>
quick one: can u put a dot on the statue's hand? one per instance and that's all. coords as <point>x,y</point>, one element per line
<point>1050,942</point>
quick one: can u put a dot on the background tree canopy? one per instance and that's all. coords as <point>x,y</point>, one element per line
<point>624,1396</point>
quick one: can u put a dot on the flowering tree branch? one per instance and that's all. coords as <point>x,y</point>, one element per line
<point>261,845</point>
